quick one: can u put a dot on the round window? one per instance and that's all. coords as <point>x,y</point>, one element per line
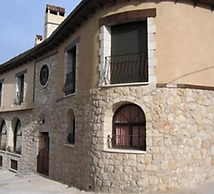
<point>44,75</point>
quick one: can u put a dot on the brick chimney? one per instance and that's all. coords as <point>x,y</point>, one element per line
<point>53,18</point>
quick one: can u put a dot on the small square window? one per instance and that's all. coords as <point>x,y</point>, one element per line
<point>14,164</point>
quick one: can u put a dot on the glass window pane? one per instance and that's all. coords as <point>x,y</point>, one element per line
<point>129,127</point>
<point>122,136</point>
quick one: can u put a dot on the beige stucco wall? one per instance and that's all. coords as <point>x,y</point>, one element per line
<point>184,51</point>
<point>89,48</point>
<point>9,87</point>
<point>87,57</point>
<point>184,44</point>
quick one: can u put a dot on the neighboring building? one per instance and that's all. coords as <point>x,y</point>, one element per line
<point>120,98</point>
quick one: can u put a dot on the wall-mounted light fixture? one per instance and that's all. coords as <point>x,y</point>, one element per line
<point>41,118</point>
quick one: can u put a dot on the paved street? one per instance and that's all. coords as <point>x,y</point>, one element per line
<point>11,183</point>
<point>32,184</point>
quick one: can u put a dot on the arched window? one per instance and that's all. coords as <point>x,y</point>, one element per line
<point>129,128</point>
<point>70,127</point>
<point>17,137</point>
<point>3,135</point>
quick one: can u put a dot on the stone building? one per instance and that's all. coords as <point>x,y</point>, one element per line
<point>120,98</point>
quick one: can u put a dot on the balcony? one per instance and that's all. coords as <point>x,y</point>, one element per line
<point>130,68</point>
<point>69,86</point>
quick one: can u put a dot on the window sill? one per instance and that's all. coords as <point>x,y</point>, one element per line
<point>65,96</point>
<point>14,154</point>
<point>3,151</point>
<point>12,170</point>
<point>69,95</point>
<point>125,84</point>
<point>124,151</point>
<point>23,106</point>
<point>69,145</point>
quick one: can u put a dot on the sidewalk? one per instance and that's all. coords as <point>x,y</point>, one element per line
<point>11,183</point>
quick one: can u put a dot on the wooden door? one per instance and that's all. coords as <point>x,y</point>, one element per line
<point>43,156</point>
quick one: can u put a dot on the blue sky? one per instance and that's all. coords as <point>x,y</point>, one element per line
<point>21,20</point>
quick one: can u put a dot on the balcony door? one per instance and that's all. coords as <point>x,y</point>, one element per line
<point>129,53</point>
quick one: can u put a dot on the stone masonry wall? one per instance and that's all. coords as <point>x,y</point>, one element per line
<point>180,140</point>
<point>68,163</point>
<point>73,163</point>
<point>45,101</point>
<point>26,161</point>
<point>180,146</point>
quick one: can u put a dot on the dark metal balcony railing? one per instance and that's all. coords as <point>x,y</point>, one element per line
<point>127,142</point>
<point>128,68</point>
<point>69,86</point>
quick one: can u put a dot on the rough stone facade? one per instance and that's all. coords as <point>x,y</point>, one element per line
<point>179,140</point>
<point>25,161</point>
<point>68,163</point>
<point>179,128</point>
